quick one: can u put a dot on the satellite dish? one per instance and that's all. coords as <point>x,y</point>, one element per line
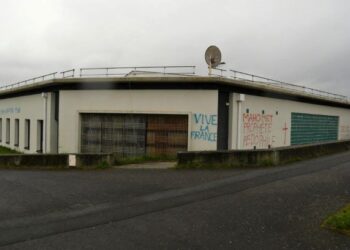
<point>213,56</point>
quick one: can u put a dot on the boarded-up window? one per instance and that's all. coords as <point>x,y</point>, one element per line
<point>310,128</point>
<point>133,134</point>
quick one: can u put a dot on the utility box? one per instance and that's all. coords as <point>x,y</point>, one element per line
<point>72,160</point>
<point>241,98</point>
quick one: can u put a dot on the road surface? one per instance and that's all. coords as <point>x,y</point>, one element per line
<point>273,208</point>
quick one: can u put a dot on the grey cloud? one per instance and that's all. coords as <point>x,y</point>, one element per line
<point>292,40</point>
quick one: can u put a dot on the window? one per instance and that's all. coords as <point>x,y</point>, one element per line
<point>311,128</point>
<point>27,134</point>
<point>40,136</point>
<point>8,131</point>
<point>16,132</point>
<point>0,129</point>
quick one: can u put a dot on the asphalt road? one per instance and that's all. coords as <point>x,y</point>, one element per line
<point>274,208</point>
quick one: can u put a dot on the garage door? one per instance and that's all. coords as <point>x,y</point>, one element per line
<point>166,134</point>
<point>133,135</point>
<point>310,128</point>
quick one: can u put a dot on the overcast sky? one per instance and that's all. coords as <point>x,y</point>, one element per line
<point>299,41</point>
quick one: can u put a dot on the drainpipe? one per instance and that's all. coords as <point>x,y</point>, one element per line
<point>241,98</point>
<point>45,96</point>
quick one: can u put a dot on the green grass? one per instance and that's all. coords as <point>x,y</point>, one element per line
<point>103,165</point>
<point>143,159</point>
<point>4,151</point>
<point>340,221</point>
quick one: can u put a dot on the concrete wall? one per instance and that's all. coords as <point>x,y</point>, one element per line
<point>201,107</point>
<point>56,160</point>
<point>260,157</point>
<point>274,128</point>
<point>30,107</point>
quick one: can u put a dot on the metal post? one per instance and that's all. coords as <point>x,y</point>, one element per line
<point>210,67</point>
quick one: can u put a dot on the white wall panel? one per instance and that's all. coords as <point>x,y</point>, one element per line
<point>200,105</point>
<point>269,120</point>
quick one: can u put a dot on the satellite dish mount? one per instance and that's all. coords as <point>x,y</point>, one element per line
<point>212,57</point>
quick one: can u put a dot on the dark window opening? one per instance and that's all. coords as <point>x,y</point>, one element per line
<point>16,132</point>
<point>8,130</point>
<point>40,136</point>
<point>27,134</point>
<point>0,129</point>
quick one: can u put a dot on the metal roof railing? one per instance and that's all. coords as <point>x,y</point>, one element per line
<point>180,71</point>
<point>123,71</point>
<point>106,72</point>
<point>218,72</point>
<point>29,81</point>
<point>68,73</point>
<point>284,85</point>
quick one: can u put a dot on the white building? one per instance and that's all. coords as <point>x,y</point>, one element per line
<point>162,114</point>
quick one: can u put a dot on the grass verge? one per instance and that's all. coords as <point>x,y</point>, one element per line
<point>144,159</point>
<point>5,151</point>
<point>103,165</point>
<point>339,222</point>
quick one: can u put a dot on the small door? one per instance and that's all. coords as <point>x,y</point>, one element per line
<point>167,134</point>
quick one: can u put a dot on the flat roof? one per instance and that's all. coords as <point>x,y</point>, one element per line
<point>268,89</point>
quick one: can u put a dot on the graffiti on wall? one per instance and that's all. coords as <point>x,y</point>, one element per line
<point>257,130</point>
<point>10,110</point>
<point>205,127</point>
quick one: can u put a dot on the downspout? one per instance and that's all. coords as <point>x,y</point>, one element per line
<point>240,99</point>
<point>45,96</point>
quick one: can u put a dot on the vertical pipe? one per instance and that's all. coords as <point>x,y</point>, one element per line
<point>238,124</point>
<point>240,99</point>
<point>44,95</point>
